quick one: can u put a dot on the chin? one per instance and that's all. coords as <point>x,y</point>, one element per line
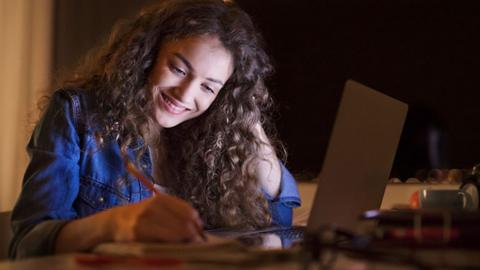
<point>168,123</point>
<point>164,124</point>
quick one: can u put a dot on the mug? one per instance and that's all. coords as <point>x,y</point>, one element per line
<point>443,199</point>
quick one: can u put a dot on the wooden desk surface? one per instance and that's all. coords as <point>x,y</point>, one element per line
<point>463,258</point>
<point>69,262</point>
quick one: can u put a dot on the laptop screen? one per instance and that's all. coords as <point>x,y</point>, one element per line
<point>359,157</point>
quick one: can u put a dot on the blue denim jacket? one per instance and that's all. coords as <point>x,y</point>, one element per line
<point>69,176</point>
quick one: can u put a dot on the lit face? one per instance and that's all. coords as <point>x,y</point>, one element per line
<point>187,77</point>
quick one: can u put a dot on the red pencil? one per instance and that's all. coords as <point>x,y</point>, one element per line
<point>133,170</point>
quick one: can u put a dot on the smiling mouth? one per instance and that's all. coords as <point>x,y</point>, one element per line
<point>171,105</point>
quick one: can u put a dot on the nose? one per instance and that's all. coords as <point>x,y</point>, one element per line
<point>185,92</point>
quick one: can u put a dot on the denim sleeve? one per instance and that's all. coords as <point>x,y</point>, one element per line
<point>288,198</point>
<point>50,183</point>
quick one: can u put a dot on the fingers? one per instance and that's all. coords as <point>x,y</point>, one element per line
<point>182,210</point>
<point>178,207</point>
<point>186,214</point>
<point>163,218</point>
<point>167,232</point>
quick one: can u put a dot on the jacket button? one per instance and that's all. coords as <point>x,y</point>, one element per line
<point>101,199</point>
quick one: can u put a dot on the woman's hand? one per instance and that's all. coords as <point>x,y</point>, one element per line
<point>162,218</point>
<point>159,218</point>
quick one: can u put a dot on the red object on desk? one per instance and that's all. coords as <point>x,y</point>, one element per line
<point>95,260</point>
<point>415,200</point>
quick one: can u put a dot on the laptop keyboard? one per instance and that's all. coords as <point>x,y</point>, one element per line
<point>292,234</point>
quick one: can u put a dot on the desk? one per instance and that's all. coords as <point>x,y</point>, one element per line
<point>400,193</point>
<point>68,262</point>
<point>341,262</point>
<point>395,194</point>
<point>307,190</point>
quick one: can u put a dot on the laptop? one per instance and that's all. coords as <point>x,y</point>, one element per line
<point>359,157</point>
<point>357,163</point>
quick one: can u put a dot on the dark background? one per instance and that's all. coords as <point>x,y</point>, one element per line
<point>424,53</point>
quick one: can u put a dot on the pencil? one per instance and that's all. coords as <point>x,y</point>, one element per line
<point>135,172</point>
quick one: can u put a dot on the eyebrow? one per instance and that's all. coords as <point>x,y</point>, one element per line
<point>189,66</point>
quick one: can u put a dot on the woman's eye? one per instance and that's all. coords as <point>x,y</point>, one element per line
<point>177,70</point>
<point>209,89</point>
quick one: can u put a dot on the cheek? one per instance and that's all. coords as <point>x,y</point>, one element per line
<point>206,103</point>
<point>158,76</point>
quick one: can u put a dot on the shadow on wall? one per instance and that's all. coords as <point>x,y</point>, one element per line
<point>423,145</point>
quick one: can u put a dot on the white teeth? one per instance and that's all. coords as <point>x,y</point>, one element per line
<point>171,106</point>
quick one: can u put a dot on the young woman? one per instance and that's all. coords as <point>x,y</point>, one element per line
<point>180,92</point>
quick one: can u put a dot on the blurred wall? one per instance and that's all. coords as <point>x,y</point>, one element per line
<point>25,58</point>
<point>80,26</point>
<point>425,53</point>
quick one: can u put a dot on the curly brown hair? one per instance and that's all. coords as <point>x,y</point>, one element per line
<point>210,158</point>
